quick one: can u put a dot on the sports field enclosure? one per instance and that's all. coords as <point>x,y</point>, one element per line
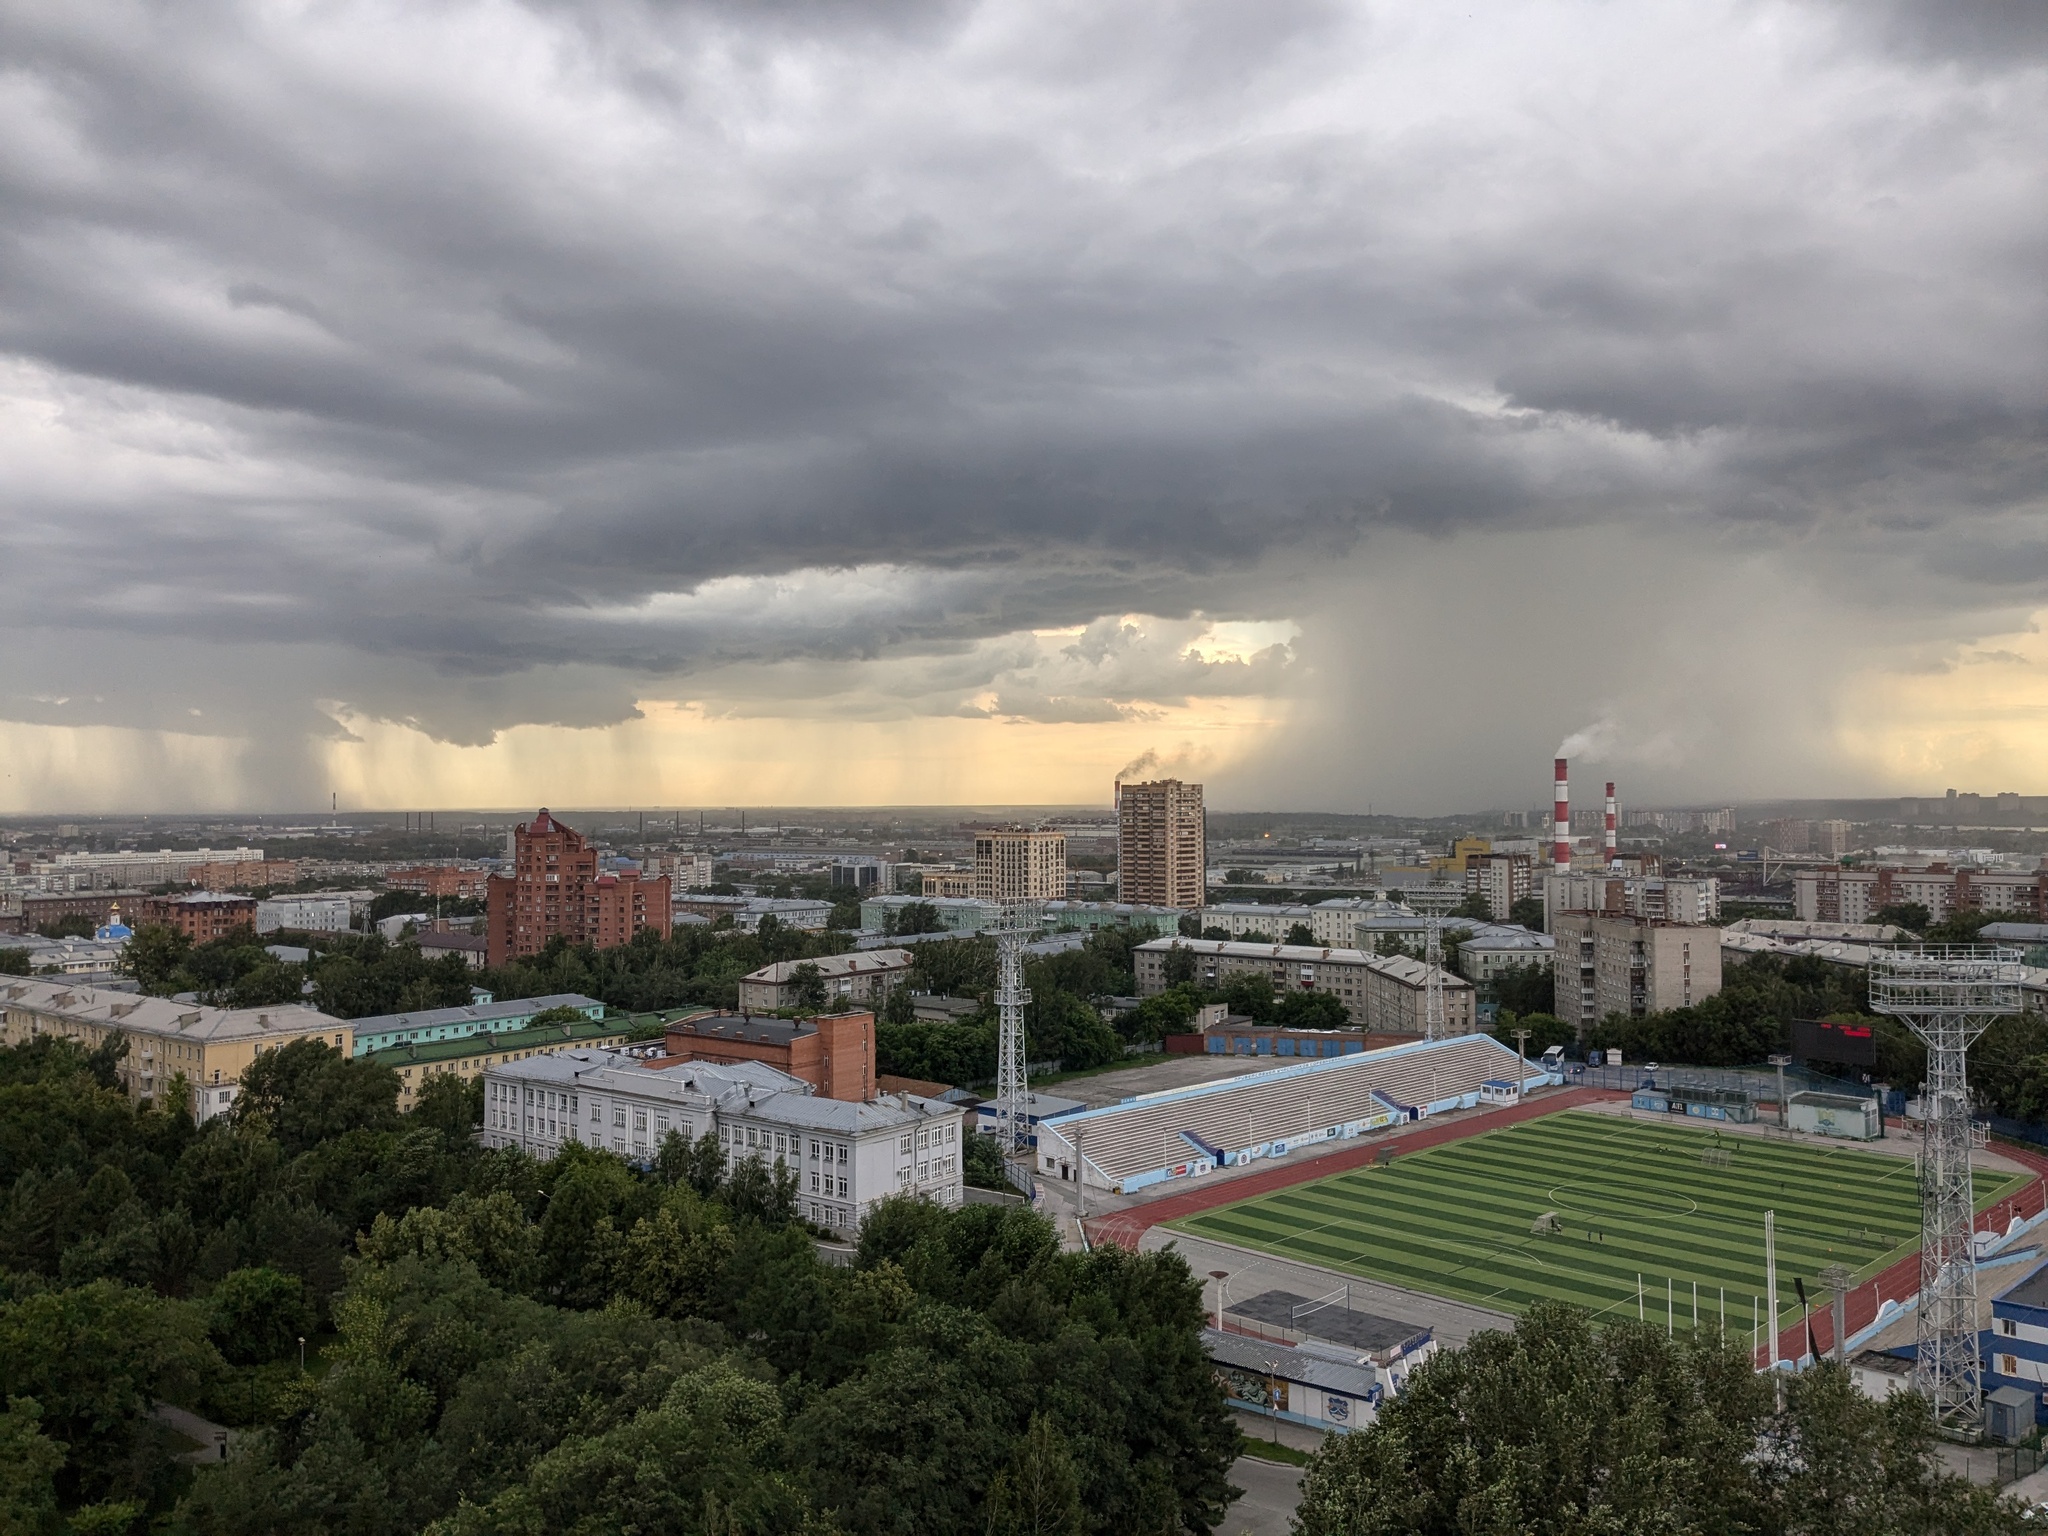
<point>1576,1205</point>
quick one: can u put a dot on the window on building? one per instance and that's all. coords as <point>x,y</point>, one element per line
<point>842,1153</point>
<point>618,1117</point>
<point>903,1178</point>
<point>903,1146</point>
<point>639,1119</point>
<point>2008,1327</point>
<point>842,1189</point>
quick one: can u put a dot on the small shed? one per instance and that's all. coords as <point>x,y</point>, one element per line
<point>2009,1414</point>
<point>1834,1114</point>
<point>1266,1376</point>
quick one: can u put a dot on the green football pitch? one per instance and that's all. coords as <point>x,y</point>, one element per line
<point>1655,1201</point>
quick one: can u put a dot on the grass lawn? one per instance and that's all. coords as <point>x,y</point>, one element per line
<point>1633,1198</point>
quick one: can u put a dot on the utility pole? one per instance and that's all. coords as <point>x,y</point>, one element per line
<point>1771,1295</point>
<point>1219,1276</point>
<point>1784,1117</point>
<point>1522,1056</point>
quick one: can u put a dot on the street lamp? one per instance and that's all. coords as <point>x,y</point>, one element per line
<point>1219,1276</point>
<point>302,1354</point>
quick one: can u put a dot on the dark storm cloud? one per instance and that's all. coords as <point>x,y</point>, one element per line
<point>450,353</point>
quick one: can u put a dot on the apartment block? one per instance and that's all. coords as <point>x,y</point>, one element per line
<point>555,889</point>
<point>202,916</point>
<point>1020,864</point>
<point>1501,880</point>
<point>1608,963</point>
<point>867,977</point>
<point>1162,843</point>
<point>1382,993</point>
<point>208,1048</point>
<point>1839,895</point>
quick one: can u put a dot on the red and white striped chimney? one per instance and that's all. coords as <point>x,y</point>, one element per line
<point>1561,845</point>
<point>1613,857</point>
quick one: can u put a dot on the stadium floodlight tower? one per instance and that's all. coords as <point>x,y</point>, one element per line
<point>1434,901</point>
<point>1946,994</point>
<point>1016,921</point>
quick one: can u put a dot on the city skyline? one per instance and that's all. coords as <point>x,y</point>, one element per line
<point>1333,404</point>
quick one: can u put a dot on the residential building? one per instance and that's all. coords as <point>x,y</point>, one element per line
<point>789,911</point>
<point>864,875</point>
<point>1496,948</point>
<point>469,1056</point>
<point>427,1026</point>
<point>1088,916</point>
<point>41,910</point>
<point>1501,880</point>
<point>202,916</point>
<point>834,1052</point>
<point>956,914</point>
<point>210,1048</point>
<point>97,958</point>
<point>1385,994</point>
<point>166,866</point>
<point>2016,1346</point>
<point>1836,894</point>
<point>473,947</point>
<point>1613,963</point>
<point>865,977</point>
<point>1020,864</point>
<point>303,914</point>
<point>1269,921</point>
<point>1463,851</point>
<point>1666,898</point>
<point>444,881</point>
<point>1162,843</point>
<point>1831,838</point>
<point>243,874</point>
<point>953,884</point>
<point>555,888</point>
<point>846,1155</point>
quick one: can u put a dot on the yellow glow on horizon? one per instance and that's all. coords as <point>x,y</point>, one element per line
<point>1977,721</point>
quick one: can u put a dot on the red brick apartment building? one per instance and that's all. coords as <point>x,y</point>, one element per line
<point>202,916</point>
<point>444,880</point>
<point>555,888</point>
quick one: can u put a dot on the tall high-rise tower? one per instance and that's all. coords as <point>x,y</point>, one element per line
<point>1162,845</point>
<point>1020,864</point>
<point>554,887</point>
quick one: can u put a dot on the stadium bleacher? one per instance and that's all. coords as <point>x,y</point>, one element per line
<point>1183,1131</point>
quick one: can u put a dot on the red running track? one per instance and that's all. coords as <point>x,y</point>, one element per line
<point>1126,1227</point>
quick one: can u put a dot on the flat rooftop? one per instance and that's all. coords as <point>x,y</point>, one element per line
<point>1363,1331</point>
<point>764,1030</point>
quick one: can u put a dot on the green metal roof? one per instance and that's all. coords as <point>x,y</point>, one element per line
<point>503,1043</point>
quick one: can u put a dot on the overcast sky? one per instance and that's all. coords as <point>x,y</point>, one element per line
<point>495,404</point>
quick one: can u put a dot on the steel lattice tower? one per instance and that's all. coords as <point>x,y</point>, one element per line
<point>1434,901</point>
<point>1946,994</point>
<point>1015,922</point>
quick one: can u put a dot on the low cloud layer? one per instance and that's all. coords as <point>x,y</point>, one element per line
<point>487,366</point>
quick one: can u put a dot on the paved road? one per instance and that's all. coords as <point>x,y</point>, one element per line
<point>1271,1490</point>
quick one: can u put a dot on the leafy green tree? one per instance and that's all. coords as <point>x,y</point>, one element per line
<point>29,1461</point>
<point>1249,993</point>
<point>914,917</point>
<point>807,986</point>
<point>1038,1494</point>
<point>1189,925</point>
<point>900,1007</point>
<point>16,962</point>
<point>1178,966</point>
<point>1545,1030</point>
<point>1300,933</point>
<point>258,1315</point>
<point>981,1162</point>
<point>307,1092</point>
<point>1474,906</point>
<point>1527,912</point>
<point>451,1104</point>
<point>1214,932</point>
<point>1312,1010</point>
<point>153,955</point>
<point>1910,915</point>
<point>72,925</point>
<point>1524,989</point>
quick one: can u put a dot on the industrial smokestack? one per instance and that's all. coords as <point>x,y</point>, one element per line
<point>1561,834</point>
<point>1612,855</point>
